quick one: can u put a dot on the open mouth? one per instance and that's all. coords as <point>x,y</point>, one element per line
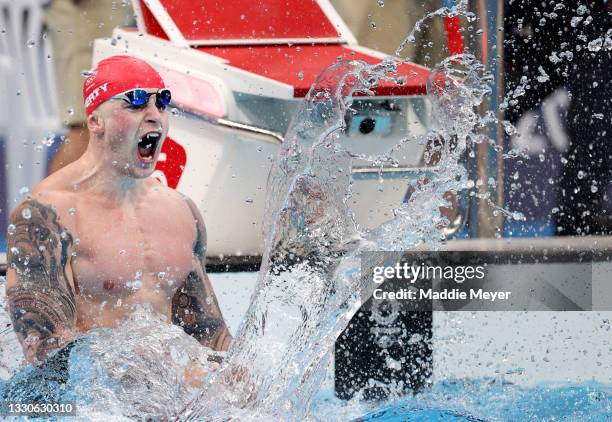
<point>147,146</point>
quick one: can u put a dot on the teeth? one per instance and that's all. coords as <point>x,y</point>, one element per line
<point>153,136</point>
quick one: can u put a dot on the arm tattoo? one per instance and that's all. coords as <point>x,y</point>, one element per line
<point>194,306</point>
<point>41,299</point>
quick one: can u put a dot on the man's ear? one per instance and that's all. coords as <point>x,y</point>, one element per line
<point>95,124</point>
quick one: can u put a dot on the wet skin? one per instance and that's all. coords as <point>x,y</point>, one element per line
<point>101,236</point>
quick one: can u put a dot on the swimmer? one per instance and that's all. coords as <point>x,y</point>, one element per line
<point>101,236</point>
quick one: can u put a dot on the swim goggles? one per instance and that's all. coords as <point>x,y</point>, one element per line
<point>139,98</point>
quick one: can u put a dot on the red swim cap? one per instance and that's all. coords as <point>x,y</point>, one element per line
<point>115,75</point>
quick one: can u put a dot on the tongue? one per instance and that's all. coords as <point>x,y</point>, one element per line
<point>146,149</point>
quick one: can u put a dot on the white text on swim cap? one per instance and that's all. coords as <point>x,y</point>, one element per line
<point>96,92</point>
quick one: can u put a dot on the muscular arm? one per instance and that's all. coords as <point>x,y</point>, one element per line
<point>194,306</point>
<point>40,289</point>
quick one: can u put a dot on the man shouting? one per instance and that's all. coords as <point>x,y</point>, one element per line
<point>101,236</point>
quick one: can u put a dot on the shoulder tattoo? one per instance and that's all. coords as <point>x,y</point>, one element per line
<point>42,300</point>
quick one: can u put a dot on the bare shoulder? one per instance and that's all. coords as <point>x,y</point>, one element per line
<point>55,193</point>
<point>38,242</point>
<point>40,215</point>
<point>185,209</point>
<point>188,211</point>
<point>36,227</point>
<point>58,181</point>
<point>177,198</point>
<point>45,203</point>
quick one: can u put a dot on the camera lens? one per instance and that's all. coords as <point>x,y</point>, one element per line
<point>367,125</point>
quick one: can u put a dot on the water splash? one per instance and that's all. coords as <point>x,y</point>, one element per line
<point>144,367</point>
<point>310,285</point>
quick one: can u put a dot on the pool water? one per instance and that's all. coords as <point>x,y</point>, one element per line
<point>489,400</point>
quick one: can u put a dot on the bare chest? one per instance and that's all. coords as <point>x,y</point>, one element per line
<point>131,255</point>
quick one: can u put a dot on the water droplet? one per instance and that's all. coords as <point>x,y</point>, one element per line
<point>135,285</point>
<point>594,188</point>
<point>48,140</point>
<point>11,229</point>
<point>543,76</point>
<point>248,201</point>
<point>122,252</point>
<point>509,128</point>
<point>26,213</point>
<point>575,21</point>
<point>31,43</point>
<point>242,17</point>
<point>14,250</point>
<point>209,300</point>
<point>161,275</point>
<point>595,45</point>
<point>24,191</point>
<point>381,3</point>
<point>70,111</point>
<point>72,211</point>
<point>300,75</point>
<point>581,174</point>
